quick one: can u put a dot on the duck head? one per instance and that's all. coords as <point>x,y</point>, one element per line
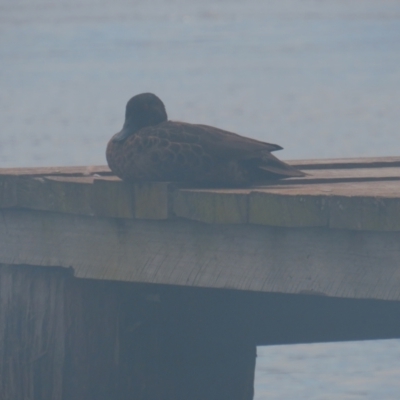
<point>142,110</point>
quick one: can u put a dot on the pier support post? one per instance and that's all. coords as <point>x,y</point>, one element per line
<point>63,338</point>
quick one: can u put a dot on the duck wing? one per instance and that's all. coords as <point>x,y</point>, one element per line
<point>217,141</point>
<point>223,144</point>
<point>219,144</point>
<point>183,152</point>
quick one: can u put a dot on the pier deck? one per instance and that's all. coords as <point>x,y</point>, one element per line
<point>334,232</point>
<point>159,291</point>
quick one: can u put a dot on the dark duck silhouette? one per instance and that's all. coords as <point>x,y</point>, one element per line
<point>151,148</point>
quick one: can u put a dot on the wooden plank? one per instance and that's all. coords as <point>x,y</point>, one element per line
<point>276,205</point>
<point>276,209</point>
<point>357,206</point>
<point>32,333</point>
<point>60,194</point>
<point>297,205</point>
<point>344,175</point>
<point>390,189</point>
<point>152,200</point>
<point>112,198</point>
<point>66,171</point>
<point>338,163</point>
<point>355,198</point>
<point>86,195</point>
<point>364,213</point>
<point>94,342</point>
<point>333,262</point>
<point>346,163</point>
<point>216,206</point>
<point>8,192</point>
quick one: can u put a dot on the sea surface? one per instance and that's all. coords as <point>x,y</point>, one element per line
<point>321,78</point>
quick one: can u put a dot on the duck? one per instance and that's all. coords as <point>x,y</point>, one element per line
<point>151,148</point>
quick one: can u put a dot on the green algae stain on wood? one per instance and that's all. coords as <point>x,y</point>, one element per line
<point>288,210</point>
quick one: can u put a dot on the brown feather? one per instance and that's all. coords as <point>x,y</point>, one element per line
<point>199,154</point>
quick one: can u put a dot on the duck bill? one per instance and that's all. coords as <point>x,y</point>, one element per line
<point>122,135</point>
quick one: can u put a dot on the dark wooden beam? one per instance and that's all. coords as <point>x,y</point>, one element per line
<point>331,262</point>
<point>64,338</point>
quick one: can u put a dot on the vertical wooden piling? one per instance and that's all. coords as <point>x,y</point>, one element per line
<point>63,338</point>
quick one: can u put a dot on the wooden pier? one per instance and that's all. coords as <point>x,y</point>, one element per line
<point>159,291</point>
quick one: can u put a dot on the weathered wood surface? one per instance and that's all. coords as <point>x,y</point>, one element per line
<point>355,194</point>
<point>72,339</point>
<point>32,329</point>
<point>322,252</point>
<point>152,232</point>
<point>340,263</point>
<point>57,171</point>
<point>347,163</point>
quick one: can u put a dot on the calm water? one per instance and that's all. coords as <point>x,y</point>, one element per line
<point>321,78</point>
<point>347,371</point>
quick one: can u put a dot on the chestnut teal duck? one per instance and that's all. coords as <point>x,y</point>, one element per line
<point>151,148</point>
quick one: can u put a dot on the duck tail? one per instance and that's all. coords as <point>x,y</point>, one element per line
<point>273,166</point>
<point>274,147</point>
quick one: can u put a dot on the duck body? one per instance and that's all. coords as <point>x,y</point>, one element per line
<point>151,148</point>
